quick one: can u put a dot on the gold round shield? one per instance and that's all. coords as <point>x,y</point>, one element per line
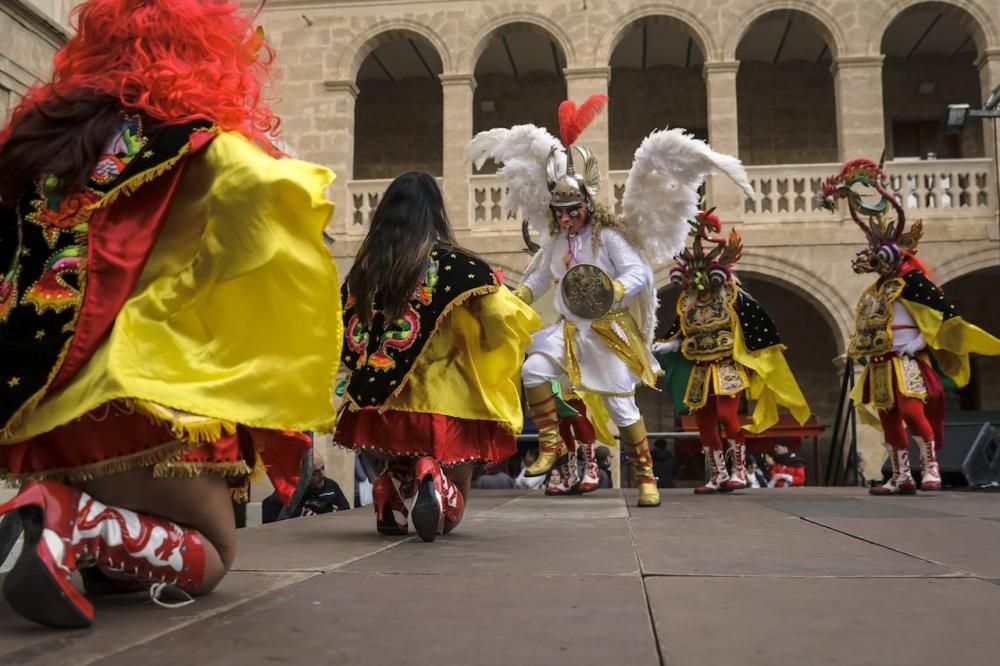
<point>587,291</point>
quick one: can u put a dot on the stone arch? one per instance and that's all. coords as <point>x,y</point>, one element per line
<point>383,32</point>
<point>675,16</point>
<point>823,22</point>
<point>966,263</point>
<point>814,289</point>
<point>970,14</point>
<point>543,24</point>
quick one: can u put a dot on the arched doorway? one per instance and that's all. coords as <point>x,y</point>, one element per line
<point>787,108</point>
<point>930,56</point>
<point>974,296</point>
<point>398,119</point>
<point>656,82</point>
<point>519,79</point>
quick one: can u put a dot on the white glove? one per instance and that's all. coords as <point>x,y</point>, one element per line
<point>913,346</point>
<point>666,347</point>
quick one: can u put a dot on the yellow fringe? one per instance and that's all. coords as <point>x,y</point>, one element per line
<point>146,458</point>
<point>189,470</point>
<point>201,429</point>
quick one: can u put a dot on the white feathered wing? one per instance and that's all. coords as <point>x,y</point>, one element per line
<point>661,193</point>
<point>522,152</point>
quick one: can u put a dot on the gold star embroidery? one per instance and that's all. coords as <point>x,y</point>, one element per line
<point>471,262</point>
<point>448,267</point>
<point>392,383</point>
<point>472,275</point>
<point>452,255</point>
<point>371,379</point>
<point>39,335</point>
<point>147,154</point>
<point>25,252</point>
<point>14,381</point>
<point>447,287</point>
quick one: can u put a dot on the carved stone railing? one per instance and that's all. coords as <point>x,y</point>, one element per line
<point>486,204</point>
<point>363,196</point>
<point>929,188</point>
<point>785,192</point>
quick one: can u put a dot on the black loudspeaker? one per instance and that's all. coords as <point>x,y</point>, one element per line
<point>970,456</point>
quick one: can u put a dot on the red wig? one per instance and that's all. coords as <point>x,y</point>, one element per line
<point>172,60</point>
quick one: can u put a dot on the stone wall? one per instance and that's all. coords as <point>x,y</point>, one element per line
<point>398,127</point>
<point>28,40</point>
<point>787,113</point>
<point>909,112</point>
<point>642,101</point>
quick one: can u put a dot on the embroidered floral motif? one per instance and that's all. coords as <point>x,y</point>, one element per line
<point>52,291</point>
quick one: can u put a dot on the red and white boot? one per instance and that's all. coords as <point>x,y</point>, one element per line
<point>66,529</point>
<point>389,494</point>
<point>439,505</point>
<point>718,476</point>
<point>738,478</point>
<point>930,477</point>
<point>901,482</point>
<point>591,477</point>
<point>559,484</point>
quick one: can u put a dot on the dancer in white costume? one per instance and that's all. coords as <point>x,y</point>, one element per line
<point>602,265</point>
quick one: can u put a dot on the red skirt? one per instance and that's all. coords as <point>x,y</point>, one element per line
<point>447,439</point>
<point>114,439</point>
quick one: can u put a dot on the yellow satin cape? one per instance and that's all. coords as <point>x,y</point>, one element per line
<point>771,384</point>
<point>236,317</point>
<point>470,367</point>
<point>951,341</point>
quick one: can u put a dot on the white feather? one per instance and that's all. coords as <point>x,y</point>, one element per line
<point>521,153</point>
<point>661,193</point>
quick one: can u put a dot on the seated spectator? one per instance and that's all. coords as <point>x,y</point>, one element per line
<point>603,455</point>
<point>756,477</point>
<point>323,495</point>
<point>494,478</point>
<point>787,469</point>
<point>663,464</point>
<point>529,482</point>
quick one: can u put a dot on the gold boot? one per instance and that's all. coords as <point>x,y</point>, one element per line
<point>634,437</point>
<point>542,407</point>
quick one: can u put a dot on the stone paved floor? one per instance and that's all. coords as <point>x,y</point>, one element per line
<point>790,576</point>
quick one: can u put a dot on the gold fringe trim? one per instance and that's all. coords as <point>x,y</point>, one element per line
<point>455,302</point>
<point>135,182</point>
<point>200,429</point>
<point>149,457</point>
<point>188,470</point>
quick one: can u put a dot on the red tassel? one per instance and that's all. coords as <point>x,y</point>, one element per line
<point>573,121</point>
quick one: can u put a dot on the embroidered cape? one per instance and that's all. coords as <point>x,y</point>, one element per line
<point>43,258</point>
<point>381,356</point>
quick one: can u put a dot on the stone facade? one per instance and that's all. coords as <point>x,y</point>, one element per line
<point>791,122</point>
<point>29,37</point>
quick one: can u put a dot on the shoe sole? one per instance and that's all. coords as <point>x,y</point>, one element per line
<point>426,513</point>
<point>30,588</point>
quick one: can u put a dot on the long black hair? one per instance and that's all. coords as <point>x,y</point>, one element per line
<point>408,223</point>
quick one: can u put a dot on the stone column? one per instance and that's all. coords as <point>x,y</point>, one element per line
<point>723,135</point>
<point>457,94</point>
<point>989,78</point>
<point>581,83</point>
<point>337,149</point>
<point>857,85</point>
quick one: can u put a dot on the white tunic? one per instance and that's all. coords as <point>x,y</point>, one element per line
<point>601,371</point>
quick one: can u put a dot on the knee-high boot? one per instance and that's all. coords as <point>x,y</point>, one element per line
<point>542,407</point>
<point>633,437</point>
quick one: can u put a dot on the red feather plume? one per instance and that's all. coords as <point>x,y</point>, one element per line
<point>573,121</point>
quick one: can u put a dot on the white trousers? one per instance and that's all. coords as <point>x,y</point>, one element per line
<point>539,369</point>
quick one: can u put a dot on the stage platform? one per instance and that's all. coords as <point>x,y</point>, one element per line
<point>774,576</point>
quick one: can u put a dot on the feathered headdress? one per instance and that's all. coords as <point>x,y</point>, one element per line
<point>699,267</point>
<point>569,188</point>
<point>888,240</point>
